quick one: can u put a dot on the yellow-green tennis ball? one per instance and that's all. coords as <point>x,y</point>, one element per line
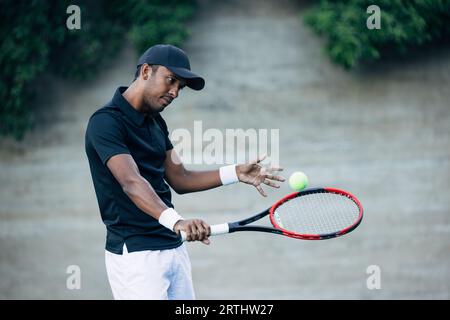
<point>298,181</point>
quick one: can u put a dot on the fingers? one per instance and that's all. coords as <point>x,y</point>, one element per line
<point>276,178</point>
<point>261,158</point>
<point>257,174</point>
<point>207,227</point>
<point>270,183</point>
<point>197,230</point>
<point>267,180</point>
<point>258,160</point>
<point>272,169</point>
<point>266,172</point>
<point>261,191</point>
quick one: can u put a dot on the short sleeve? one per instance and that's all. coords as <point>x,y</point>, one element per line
<point>163,126</point>
<point>106,135</point>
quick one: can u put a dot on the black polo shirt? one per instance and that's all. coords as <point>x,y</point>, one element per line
<point>117,128</point>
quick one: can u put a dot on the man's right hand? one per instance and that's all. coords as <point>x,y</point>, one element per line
<point>196,230</point>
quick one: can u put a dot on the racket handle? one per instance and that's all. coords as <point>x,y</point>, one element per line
<point>216,229</point>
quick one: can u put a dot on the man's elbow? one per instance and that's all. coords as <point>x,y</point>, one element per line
<point>178,187</point>
<point>177,183</point>
<point>180,190</point>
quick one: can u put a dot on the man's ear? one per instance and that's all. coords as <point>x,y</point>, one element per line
<point>145,71</point>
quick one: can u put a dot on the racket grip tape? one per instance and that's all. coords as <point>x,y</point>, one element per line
<point>216,229</point>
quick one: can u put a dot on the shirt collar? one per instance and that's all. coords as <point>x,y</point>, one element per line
<point>137,117</point>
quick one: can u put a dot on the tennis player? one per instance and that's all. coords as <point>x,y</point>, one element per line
<point>133,163</point>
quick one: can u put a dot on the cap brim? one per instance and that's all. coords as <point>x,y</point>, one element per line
<point>193,81</point>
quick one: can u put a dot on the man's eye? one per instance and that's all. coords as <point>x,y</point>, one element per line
<point>170,80</point>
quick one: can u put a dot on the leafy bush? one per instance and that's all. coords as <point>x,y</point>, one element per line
<point>161,21</point>
<point>34,33</point>
<point>82,52</point>
<point>405,25</point>
<point>24,52</point>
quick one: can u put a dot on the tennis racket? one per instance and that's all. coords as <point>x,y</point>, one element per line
<point>312,214</point>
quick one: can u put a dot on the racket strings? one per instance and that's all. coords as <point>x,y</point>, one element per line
<point>317,213</point>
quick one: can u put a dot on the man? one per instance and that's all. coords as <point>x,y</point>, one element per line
<point>132,164</point>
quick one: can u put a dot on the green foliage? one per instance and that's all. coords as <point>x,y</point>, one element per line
<point>82,52</point>
<point>23,55</point>
<point>35,40</point>
<point>161,21</point>
<point>405,25</point>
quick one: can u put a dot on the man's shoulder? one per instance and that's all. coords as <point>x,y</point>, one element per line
<point>106,119</point>
<point>108,112</point>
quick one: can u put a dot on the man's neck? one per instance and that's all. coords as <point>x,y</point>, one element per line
<point>133,97</point>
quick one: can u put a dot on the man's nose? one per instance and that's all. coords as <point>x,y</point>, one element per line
<point>174,92</point>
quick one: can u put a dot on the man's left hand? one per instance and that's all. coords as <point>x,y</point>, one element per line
<point>256,174</point>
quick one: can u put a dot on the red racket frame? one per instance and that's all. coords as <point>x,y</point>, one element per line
<point>316,236</point>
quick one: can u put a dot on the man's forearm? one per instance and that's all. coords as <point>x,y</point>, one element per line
<point>193,181</point>
<point>145,198</point>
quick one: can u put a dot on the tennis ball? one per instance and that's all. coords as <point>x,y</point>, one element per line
<point>298,181</point>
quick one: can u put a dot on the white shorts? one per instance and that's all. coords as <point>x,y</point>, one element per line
<point>150,274</point>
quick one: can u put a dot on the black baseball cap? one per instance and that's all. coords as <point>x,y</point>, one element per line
<point>175,60</point>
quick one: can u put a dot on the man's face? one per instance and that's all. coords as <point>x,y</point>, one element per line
<point>160,88</point>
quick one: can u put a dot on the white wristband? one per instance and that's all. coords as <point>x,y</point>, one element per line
<point>228,174</point>
<point>169,217</point>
